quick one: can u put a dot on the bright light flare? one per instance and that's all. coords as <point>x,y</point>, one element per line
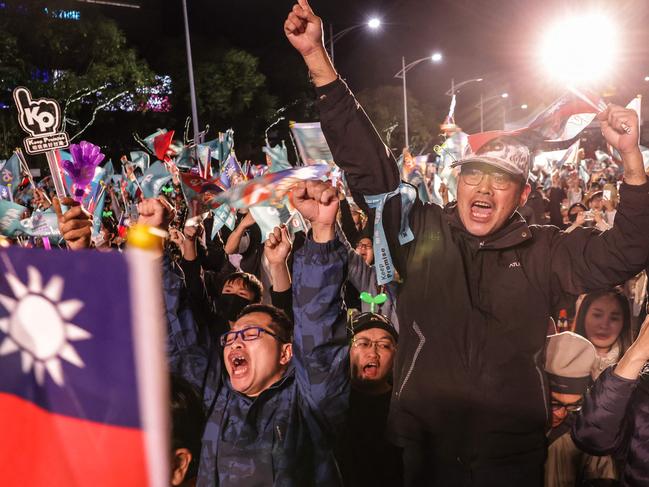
<point>646,78</point>
<point>505,95</point>
<point>524,106</point>
<point>374,23</point>
<point>581,49</point>
<point>436,57</point>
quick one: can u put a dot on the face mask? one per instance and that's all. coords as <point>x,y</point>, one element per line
<point>230,305</point>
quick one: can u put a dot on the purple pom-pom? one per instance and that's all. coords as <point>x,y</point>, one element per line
<point>81,169</point>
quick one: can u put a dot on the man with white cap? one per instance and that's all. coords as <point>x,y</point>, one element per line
<point>469,404</point>
<point>568,360</point>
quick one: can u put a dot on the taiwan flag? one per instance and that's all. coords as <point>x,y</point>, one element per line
<point>83,382</point>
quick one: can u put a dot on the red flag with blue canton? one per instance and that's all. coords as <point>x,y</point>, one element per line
<point>83,398</point>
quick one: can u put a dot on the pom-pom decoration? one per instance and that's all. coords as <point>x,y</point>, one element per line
<point>81,169</point>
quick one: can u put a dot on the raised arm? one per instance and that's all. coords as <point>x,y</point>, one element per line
<point>602,426</point>
<point>586,260</point>
<point>369,166</point>
<point>320,346</point>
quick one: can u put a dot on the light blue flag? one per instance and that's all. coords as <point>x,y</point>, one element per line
<point>223,215</point>
<point>41,224</point>
<point>10,215</point>
<point>278,157</point>
<point>140,159</point>
<point>185,159</point>
<point>269,217</point>
<point>10,175</point>
<point>154,179</point>
<point>223,145</point>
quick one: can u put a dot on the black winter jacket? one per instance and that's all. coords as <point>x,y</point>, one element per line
<point>469,382</point>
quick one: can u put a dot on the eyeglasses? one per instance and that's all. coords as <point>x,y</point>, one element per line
<point>247,334</point>
<point>365,344</point>
<point>571,408</point>
<point>474,176</point>
<point>362,246</point>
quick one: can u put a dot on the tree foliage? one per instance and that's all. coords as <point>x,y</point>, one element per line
<point>59,58</point>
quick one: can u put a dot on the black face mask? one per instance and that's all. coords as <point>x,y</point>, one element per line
<point>230,305</point>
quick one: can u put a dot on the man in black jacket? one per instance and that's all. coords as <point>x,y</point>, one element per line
<point>469,402</point>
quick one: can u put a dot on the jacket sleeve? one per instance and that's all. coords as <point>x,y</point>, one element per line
<point>320,348</point>
<point>200,302</point>
<point>370,167</point>
<point>601,427</point>
<point>347,222</point>
<point>359,273</point>
<point>186,356</point>
<point>586,259</point>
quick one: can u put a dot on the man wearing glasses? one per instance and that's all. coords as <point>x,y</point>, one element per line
<point>569,359</point>
<point>469,405</point>
<point>365,457</point>
<point>276,395</point>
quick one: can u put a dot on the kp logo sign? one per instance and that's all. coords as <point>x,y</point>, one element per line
<point>41,119</point>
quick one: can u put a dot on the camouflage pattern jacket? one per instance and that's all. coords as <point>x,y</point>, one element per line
<point>284,436</point>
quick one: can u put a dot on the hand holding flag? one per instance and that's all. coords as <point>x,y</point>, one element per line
<point>75,224</point>
<point>318,202</point>
<point>155,212</point>
<point>613,121</point>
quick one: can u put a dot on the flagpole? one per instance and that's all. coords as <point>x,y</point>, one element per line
<point>190,71</point>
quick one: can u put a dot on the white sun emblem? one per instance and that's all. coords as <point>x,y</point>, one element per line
<point>38,327</point>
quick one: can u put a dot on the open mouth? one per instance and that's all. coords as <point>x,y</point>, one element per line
<point>371,369</point>
<point>481,210</point>
<point>238,364</point>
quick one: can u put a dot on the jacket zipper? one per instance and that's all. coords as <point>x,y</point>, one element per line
<point>422,341</point>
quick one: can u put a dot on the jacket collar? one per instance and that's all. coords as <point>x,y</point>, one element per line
<point>514,232</point>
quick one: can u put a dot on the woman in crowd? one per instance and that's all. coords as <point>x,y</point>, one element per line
<point>604,319</point>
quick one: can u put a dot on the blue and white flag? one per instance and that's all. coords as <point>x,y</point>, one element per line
<point>9,176</point>
<point>83,369</point>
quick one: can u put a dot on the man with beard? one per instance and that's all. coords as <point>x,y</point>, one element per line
<point>469,403</point>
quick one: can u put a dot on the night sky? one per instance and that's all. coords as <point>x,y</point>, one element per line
<point>494,39</point>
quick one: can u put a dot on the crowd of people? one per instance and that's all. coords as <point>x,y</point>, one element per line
<point>481,327</point>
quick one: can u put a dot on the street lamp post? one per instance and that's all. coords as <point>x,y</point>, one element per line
<point>481,107</point>
<point>190,71</point>
<point>455,88</point>
<point>436,58</point>
<point>374,24</point>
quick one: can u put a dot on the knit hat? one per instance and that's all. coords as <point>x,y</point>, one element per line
<point>569,359</point>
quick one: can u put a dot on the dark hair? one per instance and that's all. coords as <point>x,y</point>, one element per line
<point>187,421</point>
<point>280,322</point>
<point>625,338</point>
<point>250,282</point>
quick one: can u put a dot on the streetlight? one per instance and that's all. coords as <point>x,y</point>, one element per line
<point>435,58</point>
<point>480,105</point>
<point>190,71</point>
<point>373,24</point>
<point>455,88</point>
